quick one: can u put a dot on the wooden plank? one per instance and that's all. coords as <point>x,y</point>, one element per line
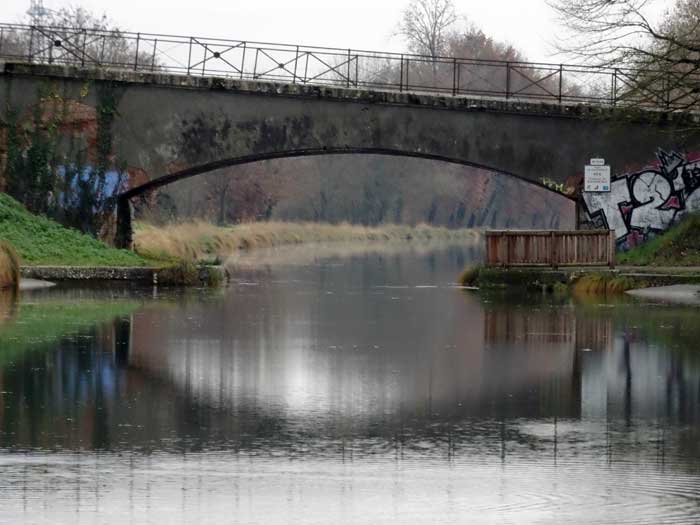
<point>550,248</point>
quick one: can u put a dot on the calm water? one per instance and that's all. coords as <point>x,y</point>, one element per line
<point>355,389</point>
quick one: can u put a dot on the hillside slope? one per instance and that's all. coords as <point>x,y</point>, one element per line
<point>41,241</point>
<point>679,246</point>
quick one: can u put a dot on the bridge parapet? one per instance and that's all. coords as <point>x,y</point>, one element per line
<point>323,66</point>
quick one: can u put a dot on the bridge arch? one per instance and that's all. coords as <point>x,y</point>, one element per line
<point>157,123</point>
<point>207,167</point>
<point>125,210</point>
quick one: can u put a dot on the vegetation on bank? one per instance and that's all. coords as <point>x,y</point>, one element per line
<point>606,284</point>
<point>41,241</point>
<point>9,266</point>
<point>576,282</point>
<point>679,246</point>
<point>204,241</point>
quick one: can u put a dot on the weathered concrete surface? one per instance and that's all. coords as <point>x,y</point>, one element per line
<point>75,273</point>
<point>166,123</point>
<point>681,294</point>
<point>96,274</point>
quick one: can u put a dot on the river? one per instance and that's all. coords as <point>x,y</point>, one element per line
<point>355,387</point>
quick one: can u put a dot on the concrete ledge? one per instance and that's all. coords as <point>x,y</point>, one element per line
<point>206,275</point>
<point>76,273</point>
<point>681,294</point>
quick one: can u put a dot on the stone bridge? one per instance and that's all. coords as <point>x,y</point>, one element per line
<point>162,128</point>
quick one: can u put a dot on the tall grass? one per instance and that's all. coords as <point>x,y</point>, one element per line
<point>9,266</point>
<point>203,241</point>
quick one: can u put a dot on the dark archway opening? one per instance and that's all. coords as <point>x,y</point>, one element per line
<point>125,210</point>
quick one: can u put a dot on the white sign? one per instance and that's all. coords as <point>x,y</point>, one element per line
<point>597,178</point>
<point>597,162</point>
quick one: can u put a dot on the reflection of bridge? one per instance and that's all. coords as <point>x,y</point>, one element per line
<point>160,106</point>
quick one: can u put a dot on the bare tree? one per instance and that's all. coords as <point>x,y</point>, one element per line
<point>426,24</point>
<point>624,34</point>
<point>105,43</point>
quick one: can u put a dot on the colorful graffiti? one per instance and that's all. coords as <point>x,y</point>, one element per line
<point>645,203</point>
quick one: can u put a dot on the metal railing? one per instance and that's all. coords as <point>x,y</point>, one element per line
<point>309,65</point>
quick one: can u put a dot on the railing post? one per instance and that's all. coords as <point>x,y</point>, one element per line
<point>454,77</point>
<point>243,59</point>
<point>82,56</point>
<point>153,56</point>
<point>30,56</point>
<point>613,249</point>
<point>189,58</point>
<point>561,82</point>
<point>407,64</point>
<point>357,71</point>
<point>507,80</point>
<point>348,77</point>
<point>614,88</point>
<point>255,65</point>
<point>552,250</point>
<point>507,259</point>
<point>296,61</point>
<point>401,75</point>
<point>136,58</point>
<point>102,49</point>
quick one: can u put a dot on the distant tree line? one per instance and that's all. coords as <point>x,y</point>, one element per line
<point>368,190</point>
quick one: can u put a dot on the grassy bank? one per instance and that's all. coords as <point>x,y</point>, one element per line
<point>204,241</point>
<point>40,241</point>
<point>679,246</point>
<point>9,266</point>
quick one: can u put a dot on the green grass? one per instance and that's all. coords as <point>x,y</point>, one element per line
<point>40,241</point>
<point>679,246</point>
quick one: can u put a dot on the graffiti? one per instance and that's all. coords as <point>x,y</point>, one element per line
<point>643,204</point>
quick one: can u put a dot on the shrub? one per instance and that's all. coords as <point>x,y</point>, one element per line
<point>184,273</point>
<point>9,266</point>
<point>469,276</point>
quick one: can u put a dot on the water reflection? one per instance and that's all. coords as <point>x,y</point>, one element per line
<point>345,377</point>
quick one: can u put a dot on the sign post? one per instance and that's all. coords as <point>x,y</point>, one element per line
<point>597,176</point>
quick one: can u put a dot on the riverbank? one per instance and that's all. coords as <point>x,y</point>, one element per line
<point>206,242</point>
<point>670,259</point>
<point>600,281</point>
<point>180,274</point>
<point>36,247</point>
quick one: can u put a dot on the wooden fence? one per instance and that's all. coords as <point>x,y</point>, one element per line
<point>550,248</point>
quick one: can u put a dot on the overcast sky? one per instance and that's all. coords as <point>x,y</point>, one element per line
<point>359,24</point>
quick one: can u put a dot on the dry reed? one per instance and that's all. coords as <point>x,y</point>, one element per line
<point>204,241</point>
<point>9,266</point>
